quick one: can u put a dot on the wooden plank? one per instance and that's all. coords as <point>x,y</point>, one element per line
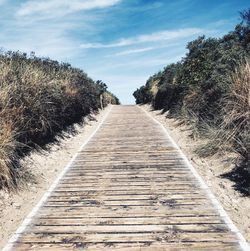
<point>122,193</point>
<point>172,203</point>
<point>125,213</point>
<point>193,228</point>
<point>113,197</point>
<point>128,188</point>
<point>120,211</point>
<point>146,236</point>
<point>131,184</point>
<point>134,246</point>
<point>131,220</point>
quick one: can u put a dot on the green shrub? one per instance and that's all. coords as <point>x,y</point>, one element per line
<point>206,88</point>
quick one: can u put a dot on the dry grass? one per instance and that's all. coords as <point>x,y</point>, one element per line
<point>7,156</point>
<point>38,99</point>
<point>237,113</point>
<point>233,133</point>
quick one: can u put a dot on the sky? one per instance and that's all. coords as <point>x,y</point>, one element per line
<point>121,42</point>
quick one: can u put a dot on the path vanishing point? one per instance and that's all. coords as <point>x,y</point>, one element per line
<point>128,188</point>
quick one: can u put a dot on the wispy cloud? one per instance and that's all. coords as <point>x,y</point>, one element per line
<point>153,37</point>
<point>46,7</point>
<point>140,63</point>
<point>134,51</point>
<point>50,27</point>
<point>56,44</point>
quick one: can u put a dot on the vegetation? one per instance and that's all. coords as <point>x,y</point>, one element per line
<point>39,98</point>
<point>210,86</point>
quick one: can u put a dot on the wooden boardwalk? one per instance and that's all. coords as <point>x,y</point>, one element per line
<point>128,189</point>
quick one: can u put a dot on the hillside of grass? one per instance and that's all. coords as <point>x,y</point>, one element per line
<point>210,89</point>
<point>39,98</point>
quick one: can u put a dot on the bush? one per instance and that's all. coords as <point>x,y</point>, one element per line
<point>205,87</point>
<point>39,98</point>
<point>236,112</point>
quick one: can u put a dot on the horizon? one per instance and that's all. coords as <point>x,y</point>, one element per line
<point>119,42</point>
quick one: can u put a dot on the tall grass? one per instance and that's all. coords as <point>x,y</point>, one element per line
<point>236,119</point>
<point>39,97</point>
<point>233,133</point>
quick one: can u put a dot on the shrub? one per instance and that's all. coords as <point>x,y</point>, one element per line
<point>236,112</point>
<point>202,88</point>
<point>39,98</point>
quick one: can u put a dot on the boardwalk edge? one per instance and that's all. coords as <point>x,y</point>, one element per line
<point>29,217</point>
<point>242,241</point>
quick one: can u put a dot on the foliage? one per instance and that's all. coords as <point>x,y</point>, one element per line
<point>39,98</point>
<point>211,83</point>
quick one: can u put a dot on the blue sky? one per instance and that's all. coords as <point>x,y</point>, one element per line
<point>121,42</point>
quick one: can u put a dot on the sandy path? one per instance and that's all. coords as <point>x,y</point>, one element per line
<point>44,168</point>
<point>236,205</point>
<point>129,188</point>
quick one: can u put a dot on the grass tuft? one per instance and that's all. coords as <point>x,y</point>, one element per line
<point>39,98</point>
<point>233,132</point>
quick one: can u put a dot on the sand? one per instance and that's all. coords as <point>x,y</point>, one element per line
<point>236,205</point>
<point>44,168</point>
<point>41,170</point>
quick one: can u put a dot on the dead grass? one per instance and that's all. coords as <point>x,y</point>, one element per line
<point>233,133</point>
<point>38,99</point>
<point>237,111</point>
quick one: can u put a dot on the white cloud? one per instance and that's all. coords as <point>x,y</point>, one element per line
<point>42,26</point>
<point>142,63</point>
<point>153,37</point>
<point>2,2</point>
<point>55,45</point>
<point>50,40</point>
<point>173,44</point>
<point>133,51</point>
<point>50,7</point>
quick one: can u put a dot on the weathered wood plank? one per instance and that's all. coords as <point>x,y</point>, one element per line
<point>131,220</point>
<point>104,228</point>
<point>171,237</point>
<point>134,246</point>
